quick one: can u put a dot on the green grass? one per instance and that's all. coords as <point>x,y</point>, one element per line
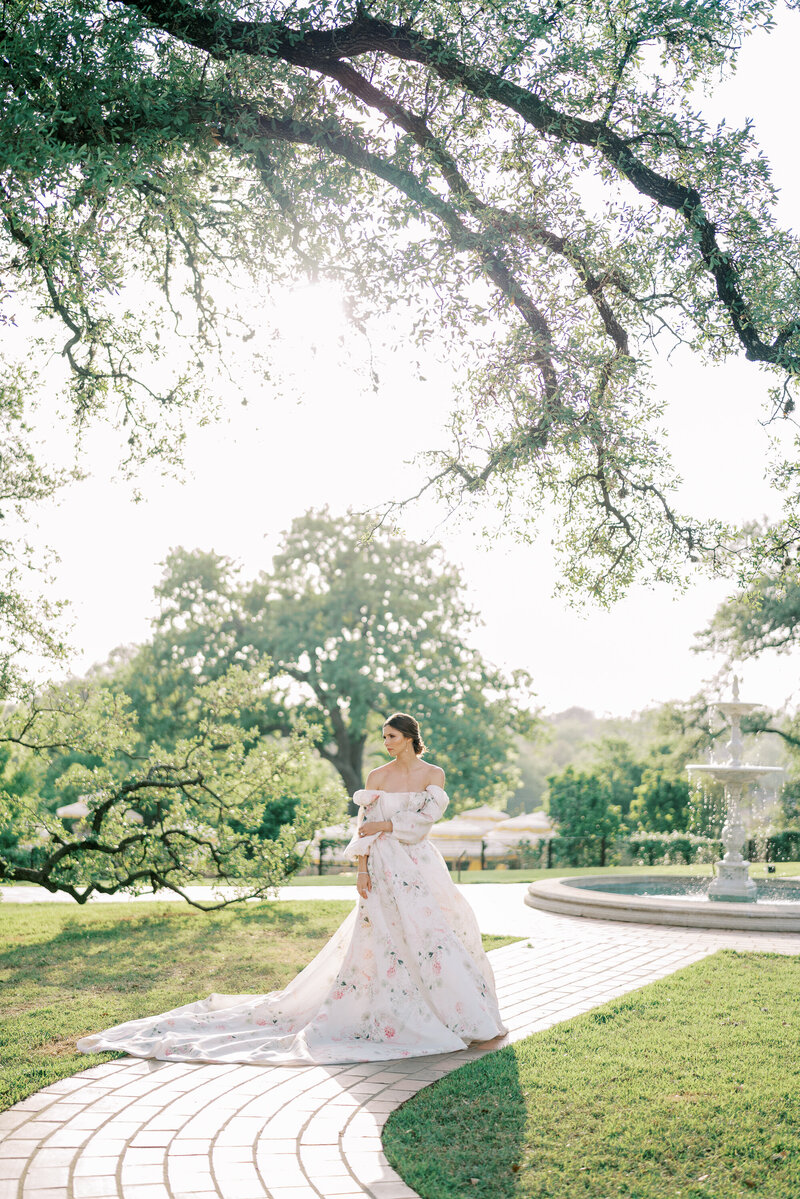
<point>703,870</point>
<point>689,1087</point>
<point>66,971</point>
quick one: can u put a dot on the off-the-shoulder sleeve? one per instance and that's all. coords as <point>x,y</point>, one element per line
<point>369,808</point>
<point>415,823</point>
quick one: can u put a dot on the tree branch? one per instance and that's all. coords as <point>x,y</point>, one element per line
<point>317,50</point>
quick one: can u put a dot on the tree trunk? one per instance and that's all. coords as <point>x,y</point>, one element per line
<point>350,771</point>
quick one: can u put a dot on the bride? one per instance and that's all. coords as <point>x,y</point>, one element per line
<point>404,975</point>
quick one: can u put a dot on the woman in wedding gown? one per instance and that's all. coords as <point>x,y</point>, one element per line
<point>404,975</point>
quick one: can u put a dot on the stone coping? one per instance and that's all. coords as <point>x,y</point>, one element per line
<point>563,896</point>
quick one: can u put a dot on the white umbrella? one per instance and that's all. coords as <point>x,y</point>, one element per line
<point>73,811</point>
<point>529,826</point>
<point>457,836</point>
<point>481,819</point>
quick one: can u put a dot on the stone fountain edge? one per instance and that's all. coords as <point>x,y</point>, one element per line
<point>556,895</point>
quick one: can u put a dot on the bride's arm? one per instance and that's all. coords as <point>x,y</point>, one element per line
<point>366,830</point>
<point>370,827</point>
<point>363,873</point>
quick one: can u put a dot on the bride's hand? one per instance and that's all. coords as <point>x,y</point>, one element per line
<point>363,883</point>
<point>372,826</point>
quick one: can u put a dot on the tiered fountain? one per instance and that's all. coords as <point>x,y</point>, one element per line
<point>731,900</point>
<point>733,881</point>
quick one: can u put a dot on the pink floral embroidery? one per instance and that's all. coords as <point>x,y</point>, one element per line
<point>388,1031</point>
<point>261,1022</point>
<point>437,967</point>
<point>338,994</point>
<point>390,973</point>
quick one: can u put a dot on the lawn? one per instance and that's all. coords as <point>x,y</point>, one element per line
<point>688,1087</point>
<point>66,971</point>
<point>701,869</point>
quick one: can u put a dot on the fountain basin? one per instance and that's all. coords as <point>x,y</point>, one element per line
<point>668,899</point>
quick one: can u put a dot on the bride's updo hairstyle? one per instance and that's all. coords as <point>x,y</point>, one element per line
<point>409,727</point>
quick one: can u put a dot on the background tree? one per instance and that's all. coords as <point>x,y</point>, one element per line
<point>580,804</point>
<point>621,767</point>
<point>662,802</point>
<point>355,627</point>
<point>169,818</point>
<point>28,624</point>
<point>535,181</point>
<point>577,737</point>
<point>764,616</point>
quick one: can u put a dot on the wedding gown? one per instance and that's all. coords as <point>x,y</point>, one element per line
<point>404,975</point>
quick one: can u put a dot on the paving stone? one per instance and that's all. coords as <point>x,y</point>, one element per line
<point>136,1172</point>
<point>54,1156</point>
<point>13,1167</point>
<point>237,1189</point>
<point>143,1157</point>
<point>46,1176</point>
<point>336,1186</point>
<point>151,1191</point>
<point>151,1139</point>
<point>282,1169</point>
<point>43,1193</point>
<point>88,1167</point>
<point>306,1192</point>
<point>18,1147</point>
<point>392,1190</point>
<point>98,1187</point>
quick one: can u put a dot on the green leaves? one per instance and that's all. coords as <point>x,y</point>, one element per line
<point>537,186</point>
<point>356,622</point>
<point>192,813</point>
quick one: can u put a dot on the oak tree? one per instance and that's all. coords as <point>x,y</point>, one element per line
<point>166,817</point>
<point>355,626</point>
<point>534,181</point>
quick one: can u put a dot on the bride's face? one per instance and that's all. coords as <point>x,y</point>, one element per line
<point>393,740</point>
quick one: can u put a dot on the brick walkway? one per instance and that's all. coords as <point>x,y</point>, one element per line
<point>161,1130</point>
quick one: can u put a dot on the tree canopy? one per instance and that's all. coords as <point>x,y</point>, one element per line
<point>764,617</point>
<point>533,182</point>
<point>355,628</point>
<point>165,817</point>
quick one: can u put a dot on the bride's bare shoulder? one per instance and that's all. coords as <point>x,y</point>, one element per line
<point>377,776</point>
<point>435,775</point>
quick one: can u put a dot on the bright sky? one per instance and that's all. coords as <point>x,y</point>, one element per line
<point>335,442</point>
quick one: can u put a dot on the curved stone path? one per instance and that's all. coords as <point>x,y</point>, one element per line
<point>160,1130</point>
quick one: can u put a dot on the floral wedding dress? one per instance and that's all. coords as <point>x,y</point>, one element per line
<point>404,975</point>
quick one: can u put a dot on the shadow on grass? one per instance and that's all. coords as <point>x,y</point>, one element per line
<point>135,948</point>
<point>465,1134</point>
